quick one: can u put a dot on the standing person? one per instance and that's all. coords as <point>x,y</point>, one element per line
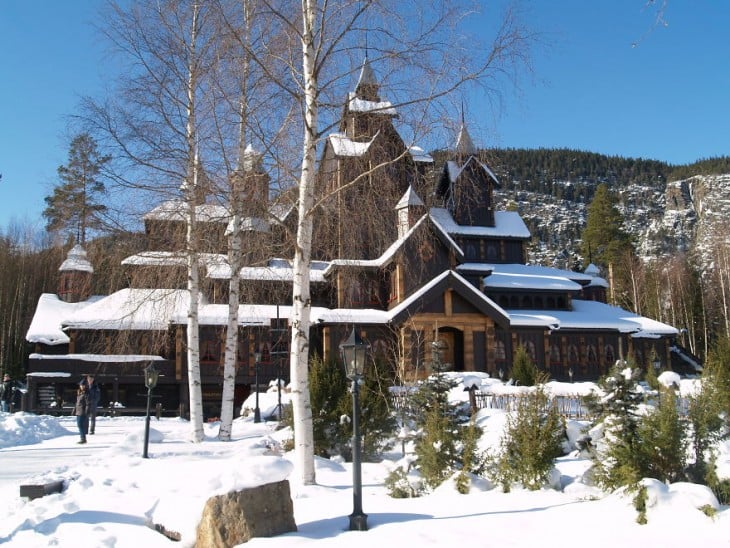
<point>6,393</point>
<point>94,397</point>
<point>82,409</point>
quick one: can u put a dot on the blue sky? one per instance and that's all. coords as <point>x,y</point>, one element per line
<point>666,98</point>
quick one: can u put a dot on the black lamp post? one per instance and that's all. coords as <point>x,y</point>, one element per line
<point>353,352</point>
<point>257,411</point>
<point>151,375</point>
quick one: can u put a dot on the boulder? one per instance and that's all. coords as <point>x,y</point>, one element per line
<point>236,517</point>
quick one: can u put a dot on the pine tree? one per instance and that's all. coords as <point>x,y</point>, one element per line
<point>663,440</point>
<point>532,440</point>
<point>74,205</point>
<point>604,239</point>
<point>618,460</point>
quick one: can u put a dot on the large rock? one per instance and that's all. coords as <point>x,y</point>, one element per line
<point>236,517</point>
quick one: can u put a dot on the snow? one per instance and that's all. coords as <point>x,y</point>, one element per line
<point>508,224</point>
<point>342,145</point>
<point>76,261</point>
<point>111,494</point>
<point>45,328</point>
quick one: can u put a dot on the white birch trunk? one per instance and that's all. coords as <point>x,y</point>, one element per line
<point>193,340</point>
<point>234,257</point>
<point>229,363</point>
<point>301,309</point>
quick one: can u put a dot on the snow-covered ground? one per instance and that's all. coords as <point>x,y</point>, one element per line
<point>112,493</point>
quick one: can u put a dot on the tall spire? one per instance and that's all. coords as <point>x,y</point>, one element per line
<point>367,84</point>
<point>464,144</point>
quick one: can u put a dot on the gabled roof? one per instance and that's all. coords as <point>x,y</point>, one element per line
<point>507,224</point>
<point>449,279</point>
<point>389,253</point>
<point>454,170</point>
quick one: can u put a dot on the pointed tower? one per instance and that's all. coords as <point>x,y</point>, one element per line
<point>466,186</point>
<point>74,283</point>
<point>367,85</point>
<point>409,209</point>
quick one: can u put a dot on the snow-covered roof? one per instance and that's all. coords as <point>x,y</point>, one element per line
<point>342,145</point>
<point>45,328</point>
<point>538,271</point>
<point>507,224</point>
<point>508,280</point>
<point>98,357</point>
<point>260,314</point>
<point>276,270</point>
<point>141,309</point>
<point>420,155</point>
<point>176,210</point>
<point>356,104</point>
<point>76,261</point>
<point>172,258</point>
<point>409,198</point>
<point>250,224</point>
<point>592,315</point>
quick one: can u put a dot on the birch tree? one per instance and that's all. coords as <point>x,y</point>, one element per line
<point>155,124</point>
<point>424,42</point>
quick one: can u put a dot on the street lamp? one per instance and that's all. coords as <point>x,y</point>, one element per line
<point>353,352</point>
<point>570,374</point>
<point>151,375</point>
<point>657,364</point>
<point>257,411</point>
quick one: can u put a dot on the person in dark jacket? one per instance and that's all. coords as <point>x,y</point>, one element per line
<point>7,392</point>
<point>94,397</point>
<point>82,410</point>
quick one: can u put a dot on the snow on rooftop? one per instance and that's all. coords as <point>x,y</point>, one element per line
<point>409,198</point>
<point>526,281</point>
<point>276,270</point>
<point>420,155</point>
<point>357,104</point>
<point>342,145</point>
<point>76,261</point>
<point>176,210</point>
<point>538,270</point>
<point>121,358</point>
<point>142,309</point>
<point>508,224</point>
<point>45,328</point>
<point>592,315</point>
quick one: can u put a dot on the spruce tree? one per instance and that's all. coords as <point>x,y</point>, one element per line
<point>618,459</point>
<point>663,441</point>
<point>532,440</point>
<point>75,205</point>
<point>604,239</point>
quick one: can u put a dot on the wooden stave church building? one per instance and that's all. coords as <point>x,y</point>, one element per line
<point>451,273</point>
